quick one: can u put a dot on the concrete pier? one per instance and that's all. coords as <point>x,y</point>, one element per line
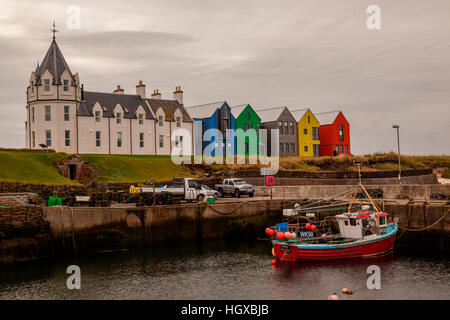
<point>93,229</point>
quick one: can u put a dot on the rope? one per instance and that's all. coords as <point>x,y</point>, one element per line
<point>431,225</point>
<point>226,213</point>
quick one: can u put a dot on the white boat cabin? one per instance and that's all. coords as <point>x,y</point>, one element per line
<point>360,224</point>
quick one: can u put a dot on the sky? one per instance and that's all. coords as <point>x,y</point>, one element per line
<point>299,53</point>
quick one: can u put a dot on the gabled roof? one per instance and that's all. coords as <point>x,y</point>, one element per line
<point>237,110</point>
<point>55,63</point>
<point>169,107</point>
<point>204,110</point>
<point>108,101</point>
<point>270,114</point>
<point>299,113</point>
<point>327,117</point>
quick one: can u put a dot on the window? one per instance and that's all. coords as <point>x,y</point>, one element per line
<point>48,114</point>
<point>66,113</point>
<point>66,85</point>
<point>286,129</point>
<point>119,117</point>
<point>280,126</point>
<point>287,147</point>
<point>337,150</point>
<point>281,148</point>
<point>161,141</point>
<point>119,139</point>
<point>292,128</point>
<point>346,149</point>
<point>353,222</point>
<point>292,147</point>
<point>341,132</point>
<point>48,138</point>
<point>342,149</point>
<point>315,132</point>
<point>346,222</point>
<point>141,139</point>
<point>181,141</point>
<point>97,116</point>
<point>309,119</point>
<point>34,138</point>
<point>32,114</point>
<point>248,115</point>
<point>315,150</point>
<point>305,148</point>
<point>67,138</point>
<point>178,121</point>
<point>160,121</point>
<point>97,138</point>
<point>141,118</point>
<point>305,131</point>
<point>46,84</point>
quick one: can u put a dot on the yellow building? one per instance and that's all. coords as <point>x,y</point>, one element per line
<point>308,133</point>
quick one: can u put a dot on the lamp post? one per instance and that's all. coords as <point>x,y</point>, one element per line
<point>396,126</point>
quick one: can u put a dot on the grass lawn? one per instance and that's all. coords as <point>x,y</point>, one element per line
<point>135,168</point>
<point>29,167</point>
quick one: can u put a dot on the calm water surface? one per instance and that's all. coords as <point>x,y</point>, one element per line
<point>219,270</point>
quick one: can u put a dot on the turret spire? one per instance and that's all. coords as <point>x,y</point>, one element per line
<point>54,30</point>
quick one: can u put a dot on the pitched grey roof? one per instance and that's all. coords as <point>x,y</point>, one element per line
<point>270,114</point>
<point>108,101</point>
<point>204,110</point>
<point>169,107</point>
<point>326,117</point>
<point>298,113</point>
<point>55,63</point>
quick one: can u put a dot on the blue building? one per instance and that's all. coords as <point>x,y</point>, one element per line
<point>218,116</point>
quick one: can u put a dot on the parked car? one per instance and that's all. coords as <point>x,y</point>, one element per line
<point>209,192</point>
<point>236,187</point>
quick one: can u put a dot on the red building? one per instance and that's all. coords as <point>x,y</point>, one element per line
<point>334,133</point>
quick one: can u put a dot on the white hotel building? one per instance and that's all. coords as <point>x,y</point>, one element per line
<point>64,117</point>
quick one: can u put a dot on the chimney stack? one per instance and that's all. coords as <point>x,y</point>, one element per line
<point>140,89</point>
<point>119,90</point>
<point>156,94</point>
<point>178,95</point>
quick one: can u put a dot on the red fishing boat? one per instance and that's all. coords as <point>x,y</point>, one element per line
<point>363,232</point>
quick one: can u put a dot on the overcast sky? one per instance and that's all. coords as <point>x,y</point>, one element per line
<point>317,54</point>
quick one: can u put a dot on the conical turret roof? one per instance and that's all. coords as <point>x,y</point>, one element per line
<point>55,63</point>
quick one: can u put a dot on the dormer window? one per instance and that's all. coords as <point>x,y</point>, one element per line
<point>46,84</point>
<point>141,118</point>
<point>66,85</point>
<point>118,117</point>
<point>97,116</point>
<point>178,121</point>
<point>161,121</point>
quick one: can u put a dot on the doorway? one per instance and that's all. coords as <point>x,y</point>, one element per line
<point>72,171</point>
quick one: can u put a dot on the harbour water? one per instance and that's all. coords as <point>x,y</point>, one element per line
<point>220,270</point>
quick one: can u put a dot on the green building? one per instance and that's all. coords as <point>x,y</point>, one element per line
<point>246,119</point>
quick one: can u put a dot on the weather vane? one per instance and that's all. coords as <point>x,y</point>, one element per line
<point>54,30</point>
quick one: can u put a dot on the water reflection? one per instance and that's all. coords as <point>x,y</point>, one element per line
<point>223,270</point>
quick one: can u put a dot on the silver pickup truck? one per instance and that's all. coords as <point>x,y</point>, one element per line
<point>236,187</point>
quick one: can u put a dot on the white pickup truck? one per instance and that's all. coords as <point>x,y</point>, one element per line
<point>236,187</point>
<point>180,189</point>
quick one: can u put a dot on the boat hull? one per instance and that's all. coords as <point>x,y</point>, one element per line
<point>291,251</point>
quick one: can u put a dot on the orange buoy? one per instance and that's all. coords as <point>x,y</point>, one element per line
<point>274,260</point>
<point>313,227</point>
<point>280,235</point>
<point>333,297</point>
<point>287,234</point>
<point>324,235</point>
<point>346,291</point>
